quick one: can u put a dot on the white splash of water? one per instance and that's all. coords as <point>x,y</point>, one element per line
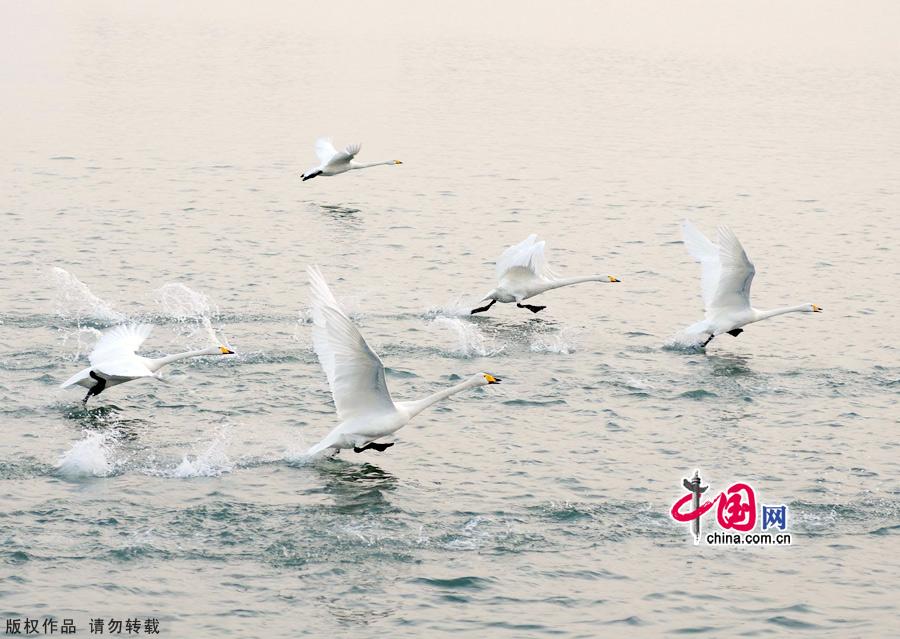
<point>85,339</point>
<point>295,453</point>
<point>557,343</point>
<point>683,341</point>
<point>456,308</point>
<point>75,300</point>
<point>470,342</point>
<point>183,303</point>
<point>212,461</point>
<point>88,457</point>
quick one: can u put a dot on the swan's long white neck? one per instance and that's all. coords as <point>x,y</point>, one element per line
<point>358,165</point>
<point>761,315</point>
<point>415,407</point>
<point>567,281</point>
<point>155,364</point>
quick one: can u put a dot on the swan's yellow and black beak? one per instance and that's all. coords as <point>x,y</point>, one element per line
<point>397,162</point>
<point>226,351</point>
<point>491,379</point>
<point>816,309</point>
<point>613,279</point>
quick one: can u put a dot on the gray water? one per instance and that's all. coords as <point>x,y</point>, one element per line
<point>150,172</point>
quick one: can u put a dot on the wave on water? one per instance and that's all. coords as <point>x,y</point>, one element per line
<point>74,300</point>
<point>470,341</point>
<point>88,457</point>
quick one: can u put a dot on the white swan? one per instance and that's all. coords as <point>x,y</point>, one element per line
<point>114,359</point>
<point>356,377</point>
<point>522,272</point>
<point>726,278</point>
<point>334,162</point>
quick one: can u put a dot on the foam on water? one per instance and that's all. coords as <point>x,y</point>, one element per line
<point>88,457</point>
<point>76,301</point>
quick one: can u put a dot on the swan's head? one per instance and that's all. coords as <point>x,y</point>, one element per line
<point>397,162</point>
<point>613,278</point>
<point>224,350</point>
<point>814,309</point>
<point>483,379</point>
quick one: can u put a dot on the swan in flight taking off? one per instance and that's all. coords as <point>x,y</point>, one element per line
<point>522,272</point>
<point>356,375</point>
<point>726,278</point>
<point>334,162</point>
<point>115,361</point>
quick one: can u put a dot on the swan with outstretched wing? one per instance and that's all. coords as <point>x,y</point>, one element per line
<point>522,272</point>
<point>726,276</point>
<point>334,162</point>
<point>114,359</point>
<point>365,409</point>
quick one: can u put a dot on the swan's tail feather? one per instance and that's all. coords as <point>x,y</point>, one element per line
<point>698,328</point>
<point>318,448</point>
<point>77,377</point>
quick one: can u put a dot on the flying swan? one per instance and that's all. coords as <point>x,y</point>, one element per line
<point>115,361</point>
<point>727,273</point>
<point>334,162</point>
<point>522,272</point>
<point>356,376</point>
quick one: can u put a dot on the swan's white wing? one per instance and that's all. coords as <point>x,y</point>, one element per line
<point>529,255</point>
<point>114,353</point>
<point>325,150</point>
<point>119,342</point>
<point>128,367</point>
<point>707,253</point>
<point>342,157</point>
<point>354,371</point>
<point>736,275</point>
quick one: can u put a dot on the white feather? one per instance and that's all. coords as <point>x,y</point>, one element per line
<point>727,272</point>
<point>115,355</point>
<point>707,253</point>
<point>325,150</point>
<point>355,373</point>
<point>77,377</point>
<point>528,255</point>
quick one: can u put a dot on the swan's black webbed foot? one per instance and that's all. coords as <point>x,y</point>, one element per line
<point>708,340</point>
<point>96,389</point>
<point>483,308</point>
<point>735,332</point>
<point>533,309</point>
<point>374,446</point>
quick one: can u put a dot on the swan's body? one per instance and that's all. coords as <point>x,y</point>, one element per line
<point>334,162</point>
<point>726,279</point>
<point>114,359</point>
<point>522,273</point>
<point>356,376</point>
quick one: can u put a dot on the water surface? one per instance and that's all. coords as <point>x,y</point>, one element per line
<point>150,172</point>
